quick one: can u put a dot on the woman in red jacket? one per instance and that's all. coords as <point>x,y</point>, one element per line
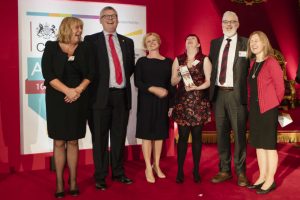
<point>266,90</point>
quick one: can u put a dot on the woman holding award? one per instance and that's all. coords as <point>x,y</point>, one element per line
<point>152,78</point>
<point>266,90</point>
<point>191,73</point>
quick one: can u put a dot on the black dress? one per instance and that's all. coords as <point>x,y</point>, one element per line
<point>65,121</point>
<point>152,111</point>
<point>263,126</point>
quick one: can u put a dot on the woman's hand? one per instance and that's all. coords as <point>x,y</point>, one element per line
<point>170,112</point>
<point>176,77</point>
<point>71,95</point>
<point>79,89</point>
<point>190,88</point>
<point>158,91</point>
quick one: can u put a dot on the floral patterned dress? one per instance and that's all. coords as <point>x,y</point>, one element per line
<point>192,108</point>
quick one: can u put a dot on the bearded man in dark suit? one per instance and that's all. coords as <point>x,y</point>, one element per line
<point>228,92</point>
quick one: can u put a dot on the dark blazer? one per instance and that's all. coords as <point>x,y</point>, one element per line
<point>240,69</point>
<point>99,88</point>
<point>54,60</point>
<point>298,74</point>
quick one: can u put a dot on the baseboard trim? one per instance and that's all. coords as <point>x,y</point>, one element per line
<point>210,137</point>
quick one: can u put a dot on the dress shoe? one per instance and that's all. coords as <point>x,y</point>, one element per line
<point>180,177</point>
<point>73,192</point>
<point>158,172</point>
<point>221,177</point>
<point>242,180</point>
<point>179,180</point>
<point>101,185</point>
<point>59,195</point>
<point>149,176</point>
<point>196,177</point>
<point>252,186</point>
<point>122,179</point>
<point>261,191</point>
<point>62,193</point>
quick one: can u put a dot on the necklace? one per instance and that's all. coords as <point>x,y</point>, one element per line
<point>256,67</point>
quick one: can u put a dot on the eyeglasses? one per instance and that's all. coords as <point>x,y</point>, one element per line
<point>229,22</point>
<point>114,16</point>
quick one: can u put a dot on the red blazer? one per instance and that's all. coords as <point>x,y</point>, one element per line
<point>270,84</point>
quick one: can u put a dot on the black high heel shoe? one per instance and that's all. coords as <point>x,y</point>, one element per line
<point>196,177</point>
<point>74,192</point>
<point>59,195</point>
<point>261,191</point>
<point>252,186</point>
<point>180,178</point>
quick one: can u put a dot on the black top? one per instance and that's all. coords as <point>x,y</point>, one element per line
<point>152,111</point>
<point>66,121</point>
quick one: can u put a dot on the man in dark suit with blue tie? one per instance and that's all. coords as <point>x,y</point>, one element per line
<point>110,97</point>
<point>228,92</point>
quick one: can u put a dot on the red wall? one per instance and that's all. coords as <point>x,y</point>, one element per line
<point>158,19</point>
<point>9,87</point>
<point>278,19</point>
<point>173,20</point>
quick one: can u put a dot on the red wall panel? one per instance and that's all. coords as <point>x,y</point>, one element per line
<point>158,19</point>
<point>278,19</point>
<point>173,20</point>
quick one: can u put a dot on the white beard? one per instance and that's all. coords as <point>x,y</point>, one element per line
<point>229,33</point>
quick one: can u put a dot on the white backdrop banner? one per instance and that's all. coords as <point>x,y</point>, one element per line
<point>38,22</point>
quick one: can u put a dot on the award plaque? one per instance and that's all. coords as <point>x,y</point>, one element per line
<point>186,76</point>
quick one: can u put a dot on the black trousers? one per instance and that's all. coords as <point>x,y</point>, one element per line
<point>111,121</point>
<point>184,132</point>
<point>230,115</point>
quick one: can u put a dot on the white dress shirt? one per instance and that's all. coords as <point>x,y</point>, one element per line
<point>230,60</point>
<point>112,75</point>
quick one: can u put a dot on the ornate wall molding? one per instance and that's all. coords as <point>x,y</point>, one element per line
<point>249,2</point>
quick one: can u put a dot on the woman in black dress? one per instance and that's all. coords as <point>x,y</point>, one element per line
<point>152,78</point>
<point>67,70</point>
<point>266,90</point>
<point>192,109</point>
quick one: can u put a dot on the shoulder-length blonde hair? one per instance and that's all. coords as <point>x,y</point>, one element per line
<point>65,28</point>
<point>148,35</point>
<point>267,48</point>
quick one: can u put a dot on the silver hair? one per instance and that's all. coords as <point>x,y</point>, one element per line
<point>107,8</point>
<point>230,13</point>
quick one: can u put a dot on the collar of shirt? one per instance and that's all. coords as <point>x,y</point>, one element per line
<point>233,38</point>
<point>107,34</point>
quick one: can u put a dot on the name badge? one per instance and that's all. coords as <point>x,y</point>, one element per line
<point>71,58</point>
<point>242,53</point>
<point>195,62</point>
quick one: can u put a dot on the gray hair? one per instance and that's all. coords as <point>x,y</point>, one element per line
<point>230,13</point>
<point>107,8</point>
